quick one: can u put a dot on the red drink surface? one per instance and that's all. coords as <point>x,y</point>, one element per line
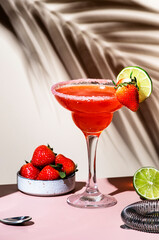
<point>92,105</point>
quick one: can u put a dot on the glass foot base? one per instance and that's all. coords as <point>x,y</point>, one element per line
<point>95,200</point>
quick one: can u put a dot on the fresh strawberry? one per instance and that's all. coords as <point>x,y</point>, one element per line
<point>29,171</point>
<point>42,156</point>
<point>128,96</point>
<point>68,166</point>
<point>48,173</point>
<point>127,93</point>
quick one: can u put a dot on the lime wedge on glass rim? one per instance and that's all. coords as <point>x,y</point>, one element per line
<point>144,81</point>
<point>146,183</point>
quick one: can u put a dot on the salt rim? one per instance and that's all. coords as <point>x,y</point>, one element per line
<point>108,82</point>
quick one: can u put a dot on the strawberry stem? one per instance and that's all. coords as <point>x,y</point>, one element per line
<point>113,82</point>
<point>134,80</point>
<point>51,149</point>
<point>131,75</point>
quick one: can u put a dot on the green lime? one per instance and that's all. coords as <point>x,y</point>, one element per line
<point>146,182</point>
<point>144,81</point>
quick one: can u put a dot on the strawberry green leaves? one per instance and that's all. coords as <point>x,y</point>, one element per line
<point>122,82</point>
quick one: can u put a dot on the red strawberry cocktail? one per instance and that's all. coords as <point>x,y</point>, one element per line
<point>92,103</point>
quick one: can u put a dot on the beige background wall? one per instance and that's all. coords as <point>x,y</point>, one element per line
<point>29,114</point>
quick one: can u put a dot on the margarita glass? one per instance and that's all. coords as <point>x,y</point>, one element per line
<point>92,103</point>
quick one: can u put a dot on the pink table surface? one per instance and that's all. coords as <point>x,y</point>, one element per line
<point>54,219</point>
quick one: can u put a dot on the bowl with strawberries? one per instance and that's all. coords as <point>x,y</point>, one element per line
<point>47,174</point>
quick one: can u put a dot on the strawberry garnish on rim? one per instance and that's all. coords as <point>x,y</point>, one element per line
<point>127,92</point>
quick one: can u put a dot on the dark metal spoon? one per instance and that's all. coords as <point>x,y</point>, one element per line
<point>15,220</point>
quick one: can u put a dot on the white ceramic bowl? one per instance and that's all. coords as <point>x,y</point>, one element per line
<point>45,187</point>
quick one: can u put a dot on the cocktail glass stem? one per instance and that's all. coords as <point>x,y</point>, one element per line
<point>92,142</point>
<point>91,197</point>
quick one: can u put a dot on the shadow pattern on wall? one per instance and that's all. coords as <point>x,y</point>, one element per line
<point>64,40</point>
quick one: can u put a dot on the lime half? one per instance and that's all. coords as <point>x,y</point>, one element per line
<point>146,182</point>
<point>144,82</point>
